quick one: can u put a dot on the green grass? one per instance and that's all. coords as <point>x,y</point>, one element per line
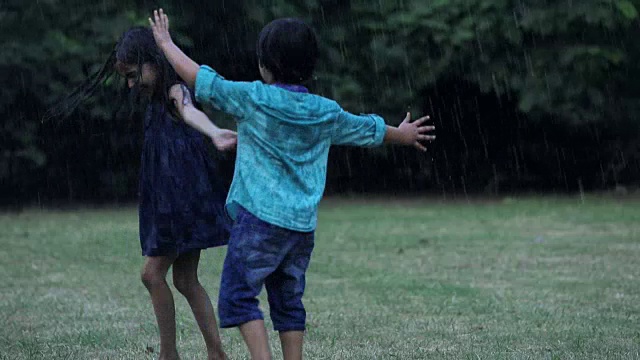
<point>535,278</point>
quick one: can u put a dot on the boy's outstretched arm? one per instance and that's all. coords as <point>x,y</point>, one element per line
<point>186,68</point>
<point>410,133</point>
<point>370,130</point>
<point>222,139</point>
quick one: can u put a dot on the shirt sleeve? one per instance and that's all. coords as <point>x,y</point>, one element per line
<point>358,130</point>
<point>231,97</point>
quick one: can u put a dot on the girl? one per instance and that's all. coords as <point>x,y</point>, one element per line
<point>182,198</point>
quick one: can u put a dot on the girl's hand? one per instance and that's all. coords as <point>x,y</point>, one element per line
<point>160,26</point>
<point>413,133</point>
<point>225,139</point>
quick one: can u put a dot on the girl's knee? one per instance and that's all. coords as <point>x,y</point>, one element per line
<point>151,277</point>
<point>186,284</point>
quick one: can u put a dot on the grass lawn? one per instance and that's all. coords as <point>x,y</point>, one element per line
<point>532,278</point>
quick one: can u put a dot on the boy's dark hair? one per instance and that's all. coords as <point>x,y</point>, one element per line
<point>136,46</point>
<point>288,48</point>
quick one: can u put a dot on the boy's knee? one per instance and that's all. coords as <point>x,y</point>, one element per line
<point>287,311</point>
<point>294,321</point>
<point>236,308</point>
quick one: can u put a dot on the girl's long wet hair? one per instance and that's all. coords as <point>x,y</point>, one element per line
<point>136,46</point>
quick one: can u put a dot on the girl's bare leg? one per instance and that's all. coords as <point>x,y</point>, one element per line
<point>154,273</point>
<point>185,279</point>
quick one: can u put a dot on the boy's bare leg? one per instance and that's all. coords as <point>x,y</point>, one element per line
<point>292,344</point>
<point>255,336</point>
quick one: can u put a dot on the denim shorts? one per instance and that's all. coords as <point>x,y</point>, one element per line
<point>260,253</point>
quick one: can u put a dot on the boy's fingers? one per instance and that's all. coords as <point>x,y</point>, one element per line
<point>426,137</point>
<point>421,120</point>
<point>423,129</point>
<point>420,146</point>
<point>407,118</point>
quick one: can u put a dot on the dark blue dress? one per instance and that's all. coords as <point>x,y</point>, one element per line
<point>181,195</point>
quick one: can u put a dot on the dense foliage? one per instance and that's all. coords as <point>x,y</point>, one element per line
<point>526,95</point>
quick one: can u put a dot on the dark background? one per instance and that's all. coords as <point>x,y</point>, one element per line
<point>527,96</point>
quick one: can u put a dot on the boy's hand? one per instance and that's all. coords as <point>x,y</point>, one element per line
<point>412,133</point>
<point>175,94</point>
<point>225,140</point>
<point>160,26</point>
<point>180,96</point>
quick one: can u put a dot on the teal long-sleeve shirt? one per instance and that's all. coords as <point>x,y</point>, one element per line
<point>283,146</point>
